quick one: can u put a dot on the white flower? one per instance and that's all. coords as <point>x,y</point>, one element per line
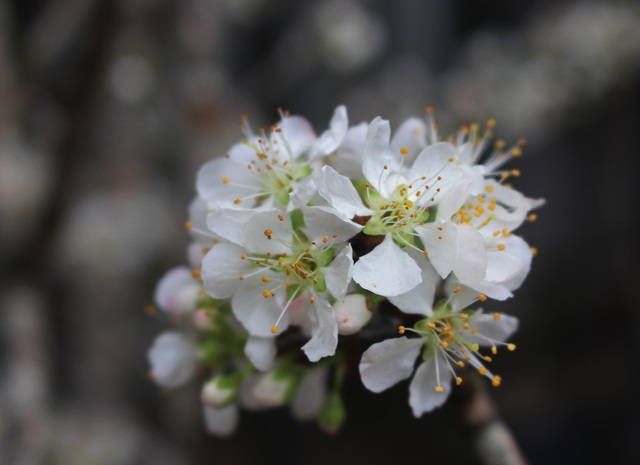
<point>275,388</point>
<point>178,291</point>
<point>221,422</point>
<point>172,357</point>
<point>263,170</point>
<point>269,267</point>
<point>311,394</point>
<point>447,339</point>
<point>351,314</point>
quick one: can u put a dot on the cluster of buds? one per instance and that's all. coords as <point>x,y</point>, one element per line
<point>297,241</point>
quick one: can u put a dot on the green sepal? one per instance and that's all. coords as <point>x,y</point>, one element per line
<point>297,219</point>
<point>321,285</point>
<point>373,229</point>
<point>333,413</point>
<point>326,256</point>
<point>428,351</point>
<point>282,197</point>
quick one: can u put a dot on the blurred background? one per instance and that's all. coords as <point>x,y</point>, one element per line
<point>107,109</point>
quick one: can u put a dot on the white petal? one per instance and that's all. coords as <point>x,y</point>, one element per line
<point>338,274</point>
<point>198,211</point>
<point>212,188</point>
<point>453,199</point>
<point>324,330</point>
<point>221,422</point>
<point>442,244</point>
<point>172,357</point>
<point>422,390</point>
<point>352,314</point>
<point>419,299</point>
<point>497,330</point>
<point>377,155</point>
<point>325,221</point>
<point>303,192</point>
<point>510,266</point>
<point>261,352</point>
<point>348,159</point>
<point>410,135</point>
<point>247,228</point>
<point>329,141</point>
<point>471,258</point>
<point>339,192</point>
<point>169,286</point>
<point>222,268</point>
<point>257,313</point>
<point>387,270</point>
<point>432,162</point>
<point>311,394</point>
<point>389,362</point>
<point>297,136</point>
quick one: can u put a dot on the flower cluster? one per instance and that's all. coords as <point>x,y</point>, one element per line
<point>298,239</point>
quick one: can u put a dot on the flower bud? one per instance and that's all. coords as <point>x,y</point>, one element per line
<point>202,319</point>
<point>219,391</point>
<point>172,357</point>
<point>333,414</point>
<point>352,314</point>
<point>275,388</point>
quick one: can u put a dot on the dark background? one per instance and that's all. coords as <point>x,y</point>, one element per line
<point>107,108</point>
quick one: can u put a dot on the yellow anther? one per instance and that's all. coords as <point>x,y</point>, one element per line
<point>444,344</point>
<point>188,225</point>
<point>460,363</point>
<point>506,233</point>
<point>534,251</point>
<point>281,218</point>
<point>474,330</point>
<point>533,217</point>
<point>501,247</point>
<point>225,180</point>
<point>511,347</point>
<point>457,289</point>
<point>237,201</point>
<point>367,185</point>
<point>386,167</point>
<point>516,152</point>
<point>241,278</point>
<point>491,123</point>
<point>464,316</point>
<point>487,358</point>
<point>475,347</point>
<point>268,232</point>
<point>196,274</point>
<point>274,329</point>
<point>450,160</point>
<point>482,297</point>
<point>440,237</point>
<point>404,150</point>
<point>482,370</point>
<point>465,325</point>
<point>494,350</point>
<point>496,233</point>
<point>266,293</point>
<point>439,178</point>
<point>439,389</point>
<point>312,299</point>
<point>425,251</point>
<point>497,380</point>
<point>429,109</point>
<point>431,325</point>
<point>150,309</point>
<point>458,381</point>
<point>401,329</point>
<point>325,239</point>
<point>265,279</point>
<point>496,316</point>
<point>515,173</point>
<point>243,257</point>
<point>490,188</point>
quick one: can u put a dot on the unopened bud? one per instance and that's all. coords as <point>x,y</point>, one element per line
<point>275,388</point>
<point>333,414</point>
<point>219,392</point>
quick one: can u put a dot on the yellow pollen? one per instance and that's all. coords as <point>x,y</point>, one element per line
<point>404,150</point>
<point>516,152</point>
<point>451,160</point>
<point>460,363</point>
<point>458,381</point>
<point>482,371</point>
<point>265,279</point>
<point>432,325</point>
<point>533,217</point>
<point>439,237</point>
<point>312,299</point>
<point>196,274</point>
<point>325,239</point>
<point>482,297</point>
<point>489,188</point>
<point>497,380</point>
<point>457,289</point>
<point>188,225</point>
<point>266,293</point>
<point>504,175</point>
<point>511,347</point>
<point>425,251</point>
<point>281,218</point>
<point>465,325</point>
<point>496,316</point>
<point>439,389</point>
<point>500,246</point>
<point>516,173</point>
<point>237,201</point>
<point>268,232</point>
<point>274,329</point>
<point>401,329</point>
<point>225,180</point>
<point>494,350</point>
<point>487,358</point>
